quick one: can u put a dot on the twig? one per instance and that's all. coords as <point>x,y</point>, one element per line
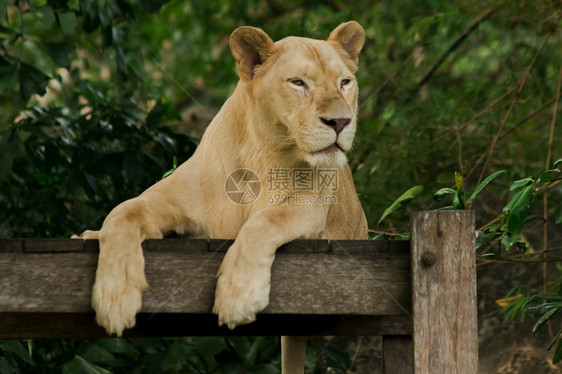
<point>374,90</point>
<point>485,226</point>
<point>508,260</point>
<point>433,68</point>
<point>545,196</point>
<point>492,146</point>
<point>507,132</point>
<point>549,156</point>
<point>356,354</point>
<point>459,152</point>
<point>477,115</point>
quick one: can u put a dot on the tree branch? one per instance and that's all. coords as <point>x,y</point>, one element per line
<point>523,80</point>
<point>462,37</point>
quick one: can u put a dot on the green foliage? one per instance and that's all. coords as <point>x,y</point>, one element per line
<point>155,355</point>
<point>205,355</point>
<point>458,194</point>
<point>64,172</point>
<point>401,202</point>
<point>547,305</point>
<point>507,232</point>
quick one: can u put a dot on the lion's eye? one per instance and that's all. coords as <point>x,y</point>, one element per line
<point>298,82</point>
<point>345,82</point>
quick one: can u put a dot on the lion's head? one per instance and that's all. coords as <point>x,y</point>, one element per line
<point>306,88</point>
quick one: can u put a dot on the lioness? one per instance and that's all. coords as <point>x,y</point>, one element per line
<point>295,107</point>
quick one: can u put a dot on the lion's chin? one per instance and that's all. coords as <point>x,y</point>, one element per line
<point>329,159</point>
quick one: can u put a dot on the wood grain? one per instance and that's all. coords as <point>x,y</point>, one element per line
<point>397,354</point>
<point>309,277</point>
<point>444,297</point>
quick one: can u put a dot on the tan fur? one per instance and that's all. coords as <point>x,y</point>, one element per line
<point>270,121</point>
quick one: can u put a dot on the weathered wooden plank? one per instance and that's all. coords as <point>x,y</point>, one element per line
<point>83,325</point>
<point>176,245</point>
<point>185,282</point>
<point>365,290</point>
<point>11,245</point>
<point>444,297</point>
<point>53,245</point>
<point>397,354</point>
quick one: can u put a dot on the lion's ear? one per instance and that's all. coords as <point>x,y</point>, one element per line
<point>249,46</point>
<point>351,37</point>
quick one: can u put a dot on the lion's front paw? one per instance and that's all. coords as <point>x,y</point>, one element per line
<point>242,291</point>
<point>117,296</point>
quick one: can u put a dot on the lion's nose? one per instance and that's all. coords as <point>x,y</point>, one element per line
<point>337,124</point>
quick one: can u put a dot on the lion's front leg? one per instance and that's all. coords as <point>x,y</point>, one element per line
<point>120,279</point>
<point>242,286</point>
<point>118,288</point>
<point>244,276</point>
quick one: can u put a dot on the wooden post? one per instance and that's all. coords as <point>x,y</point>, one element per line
<point>444,309</point>
<point>397,354</point>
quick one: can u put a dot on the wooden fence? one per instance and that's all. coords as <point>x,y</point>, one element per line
<point>419,295</point>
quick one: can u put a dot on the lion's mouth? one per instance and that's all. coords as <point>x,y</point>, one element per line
<point>330,149</point>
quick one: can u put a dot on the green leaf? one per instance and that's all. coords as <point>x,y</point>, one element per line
<point>4,10</point>
<point>544,319</point>
<point>557,357</point>
<point>13,148</point>
<point>5,366</point>
<point>507,209</point>
<point>483,240</point>
<point>120,346</point>
<point>241,345</point>
<point>59,53</point>
<point>46,16</point>
<point>507,242</point>
<point>443,192</point>
<point>521,245</point>
<point>93,353</point>
<point>557,162</point>
<point>8,76</point>
<point>485,184</point>
<point>79,365</point>
<point>16,348</point>
<point>32,81</point>
<point>154,117</point>
<point>519,209</point>
<point>402,236</point>
<point>211,345</point>
<point>548,176</point>
<point>554,340</point>
<point>402,201</point>
<point>152,6</point>
<point>251,355</point>
<point>67,22</point>
<point>458,200</point>
<point>547,297</point>
<point>6,30</point>
<point>459,183</point>
<point>521,183</point>
<point>379,237</point>
<point>171,171</point>
<point>542,308</point>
